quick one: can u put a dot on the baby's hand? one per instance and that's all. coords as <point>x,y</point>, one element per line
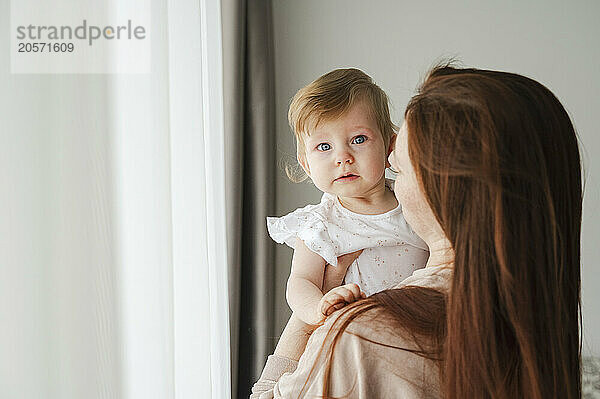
<point>339,297</point>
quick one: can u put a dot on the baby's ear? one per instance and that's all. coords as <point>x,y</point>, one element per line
<point>302,161</point>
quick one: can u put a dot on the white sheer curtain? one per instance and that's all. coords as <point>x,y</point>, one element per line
<point>113,268</point>
<point>175,317</point>
<point>197,149</point>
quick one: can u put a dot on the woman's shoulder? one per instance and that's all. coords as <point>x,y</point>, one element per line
<point>366,360</point>
<point>436,277</point>
<point>375,360</point>
<point>369,322</point>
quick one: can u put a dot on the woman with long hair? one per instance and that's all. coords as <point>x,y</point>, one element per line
<point>489,175</point>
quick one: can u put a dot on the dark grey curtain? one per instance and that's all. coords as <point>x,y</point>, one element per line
<point>251,166</point>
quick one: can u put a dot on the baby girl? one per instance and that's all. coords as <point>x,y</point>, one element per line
<point>343,132</point>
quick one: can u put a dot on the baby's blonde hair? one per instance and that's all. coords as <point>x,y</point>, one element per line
<point>330,96</point>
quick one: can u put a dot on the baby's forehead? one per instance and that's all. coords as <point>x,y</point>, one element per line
<point>346,122</point>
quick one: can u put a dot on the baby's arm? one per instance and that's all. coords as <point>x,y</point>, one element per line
<point>304,293</point>
<point>304,284</point>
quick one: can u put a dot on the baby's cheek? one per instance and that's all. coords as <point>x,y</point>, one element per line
<point>377,167</point>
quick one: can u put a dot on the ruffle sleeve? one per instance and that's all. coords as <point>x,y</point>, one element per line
<point>307,225</point>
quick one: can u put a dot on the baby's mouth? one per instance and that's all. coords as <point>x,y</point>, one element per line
<point>347,177</point>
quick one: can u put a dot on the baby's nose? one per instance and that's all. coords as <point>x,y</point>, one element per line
<point>344,157</point>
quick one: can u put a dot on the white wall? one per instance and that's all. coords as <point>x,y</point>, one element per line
<point>554,42</point>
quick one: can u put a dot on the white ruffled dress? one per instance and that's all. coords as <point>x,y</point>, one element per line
<point>392,251</point>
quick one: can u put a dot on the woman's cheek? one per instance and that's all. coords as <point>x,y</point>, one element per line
<point>412,210</point>
<point>408,196</point>
<point>400,191</point>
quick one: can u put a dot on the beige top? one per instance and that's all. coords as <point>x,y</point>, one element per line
<point>359,368</point>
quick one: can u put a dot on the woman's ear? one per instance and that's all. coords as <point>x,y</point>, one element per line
<point>390,149</point>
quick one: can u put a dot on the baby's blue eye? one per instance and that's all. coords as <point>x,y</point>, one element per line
<point>323,147</point>
<point>359,139</point>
